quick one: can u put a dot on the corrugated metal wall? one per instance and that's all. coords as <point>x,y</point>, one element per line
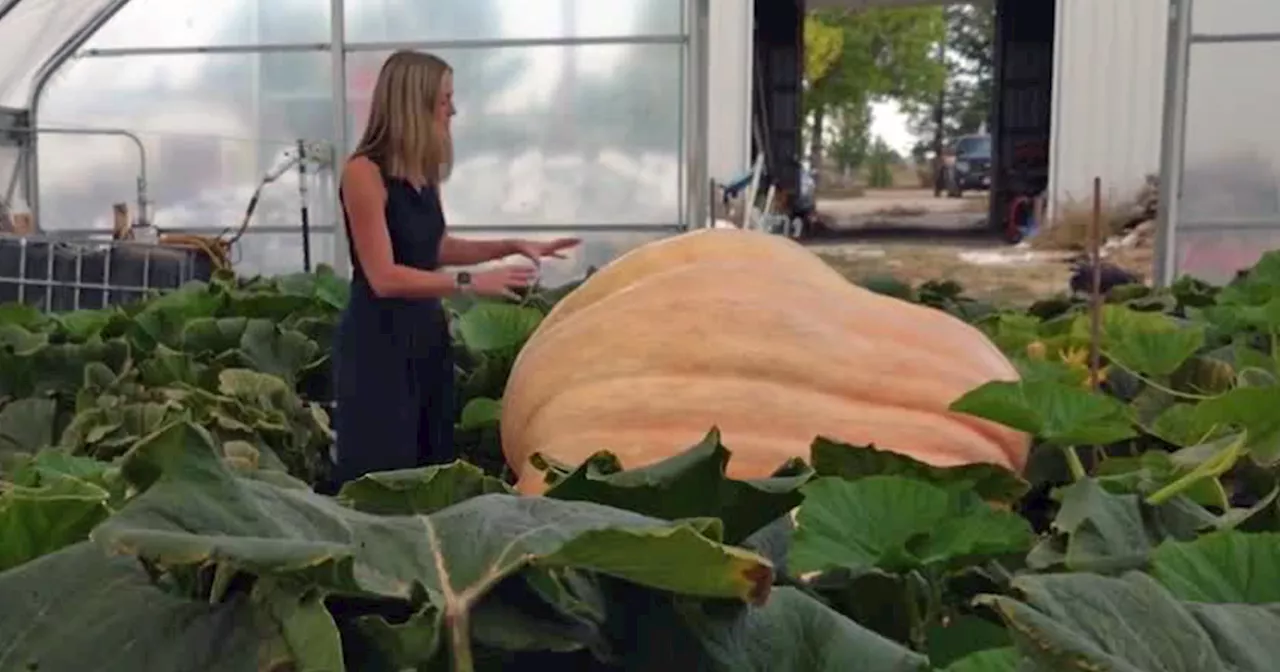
<point>1108,98</point>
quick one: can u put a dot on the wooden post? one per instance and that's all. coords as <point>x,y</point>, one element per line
<point>1095,290</point>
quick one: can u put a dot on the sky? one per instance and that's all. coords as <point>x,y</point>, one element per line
<point>890,123</point>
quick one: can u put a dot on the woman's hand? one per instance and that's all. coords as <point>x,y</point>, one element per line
<point>502,282</point>
<point>537,250</point>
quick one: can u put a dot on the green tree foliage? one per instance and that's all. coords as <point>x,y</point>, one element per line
<point>881,159</point>
<point>853,58</point>
<point>970,38</point>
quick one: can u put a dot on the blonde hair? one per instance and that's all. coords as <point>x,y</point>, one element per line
<point>401,134</point>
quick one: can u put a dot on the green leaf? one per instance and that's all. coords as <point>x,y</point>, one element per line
<point>79,608</point>
<point>1005,659</point>
<point>27,425</point>
<point>1132,624</point>
<point>1253,410</point>
<point>793,632</point>
<point>35,521</point>
<point>1098,531</point>
<point>1225,566</point>
<point>1148,343</point>
<point>963,636</point>
<point>850,462</point>
<point>479,413</point>
<point>689,485</point>
<point>419,491</point>
<point>497,327</point>
<point>195,511</point>
<point>1056,413</point>
<point>897,524</point>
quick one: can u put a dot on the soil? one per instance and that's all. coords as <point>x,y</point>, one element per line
<point>1004,275</point>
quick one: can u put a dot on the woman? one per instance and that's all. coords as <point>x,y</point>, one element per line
<point>393,369</point>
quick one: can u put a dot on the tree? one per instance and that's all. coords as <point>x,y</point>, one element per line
<point>853,58</point>
<point>970,73</point>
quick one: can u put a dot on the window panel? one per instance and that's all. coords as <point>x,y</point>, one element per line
<point>556,136</point>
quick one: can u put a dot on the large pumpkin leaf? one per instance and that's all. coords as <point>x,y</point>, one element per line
<point>1224,566</point>
<point>1148,343</point>
<point>27,425</point>
<point>77,609</point>
<point>850,462</point>
<point>195,511</point>
<point>38,520</point>
<point>1132,624</point>
<point>1061,414</point>
<point>992,660</point>
<point>898,524</point>
<point>795,633</point>
<point>492,327</point>
<point>419,491</point>
<point>689,485</point>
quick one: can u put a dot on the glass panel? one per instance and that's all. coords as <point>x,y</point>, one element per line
<point>556,135</point>
<point>213,125</point>
<point>29,34</point>
<point>416,20</point>
<point>1216,256</point>
<point>277,253</point>
<point>1232,147</point>
<point>597,249</point>
<point>185,23</point>
<point>1227,17</point>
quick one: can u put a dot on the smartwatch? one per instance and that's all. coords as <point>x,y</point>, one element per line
<point>462,281</point>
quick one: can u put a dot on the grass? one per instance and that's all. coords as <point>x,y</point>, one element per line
<point>1071,229</point>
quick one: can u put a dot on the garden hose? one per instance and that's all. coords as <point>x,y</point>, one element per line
<point>216,248</point>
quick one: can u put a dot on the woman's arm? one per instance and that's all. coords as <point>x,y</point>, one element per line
<point>463,252</point>
<point>366,201</point>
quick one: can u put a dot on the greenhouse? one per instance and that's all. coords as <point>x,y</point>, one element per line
<point>698,447</point>
<point>574,115</point>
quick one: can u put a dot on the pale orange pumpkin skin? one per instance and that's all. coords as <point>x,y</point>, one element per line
<point>755,335</point>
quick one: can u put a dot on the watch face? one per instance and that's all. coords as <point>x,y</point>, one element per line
<point>464,279</point>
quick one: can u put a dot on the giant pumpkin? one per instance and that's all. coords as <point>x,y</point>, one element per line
<point>755,335</point>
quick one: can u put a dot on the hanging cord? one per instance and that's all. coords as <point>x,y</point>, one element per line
<point>218,248</point>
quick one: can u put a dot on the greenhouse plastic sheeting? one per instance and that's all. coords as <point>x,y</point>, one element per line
<point>1228,210</point>
<point>30,33</point>
<point>573,114</point>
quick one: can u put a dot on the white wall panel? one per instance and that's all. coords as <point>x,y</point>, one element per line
<point>729,133</point>
<point>1108,97</point>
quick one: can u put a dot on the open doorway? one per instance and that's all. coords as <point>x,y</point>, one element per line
<point>927,118</point>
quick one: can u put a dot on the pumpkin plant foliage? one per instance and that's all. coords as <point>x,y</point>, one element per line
<point>161,466</point>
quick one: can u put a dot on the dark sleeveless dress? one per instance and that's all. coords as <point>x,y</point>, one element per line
<point>392,360</point>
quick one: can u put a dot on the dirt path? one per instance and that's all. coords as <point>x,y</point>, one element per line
<point>907,208</point>
<point>999,273</point>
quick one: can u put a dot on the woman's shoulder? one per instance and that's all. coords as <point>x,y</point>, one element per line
<point>361,172</point>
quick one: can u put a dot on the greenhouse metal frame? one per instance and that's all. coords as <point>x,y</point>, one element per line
<point>1220,183</point>
<point>36,75</point>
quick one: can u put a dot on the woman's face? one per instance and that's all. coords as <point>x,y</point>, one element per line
<point>444,105</point>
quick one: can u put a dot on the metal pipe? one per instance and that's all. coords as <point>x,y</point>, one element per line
<point>304,213</point>
<point>141,219</point>
<point>115,52</point>
<point>338,77</point>
<point>699,183</point>
<point>504,43</point>
<point>41,80</point>
<point>259,230</point>
<point>6,6</point>
<point>1173,141</point>
<point>1237,38</point>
